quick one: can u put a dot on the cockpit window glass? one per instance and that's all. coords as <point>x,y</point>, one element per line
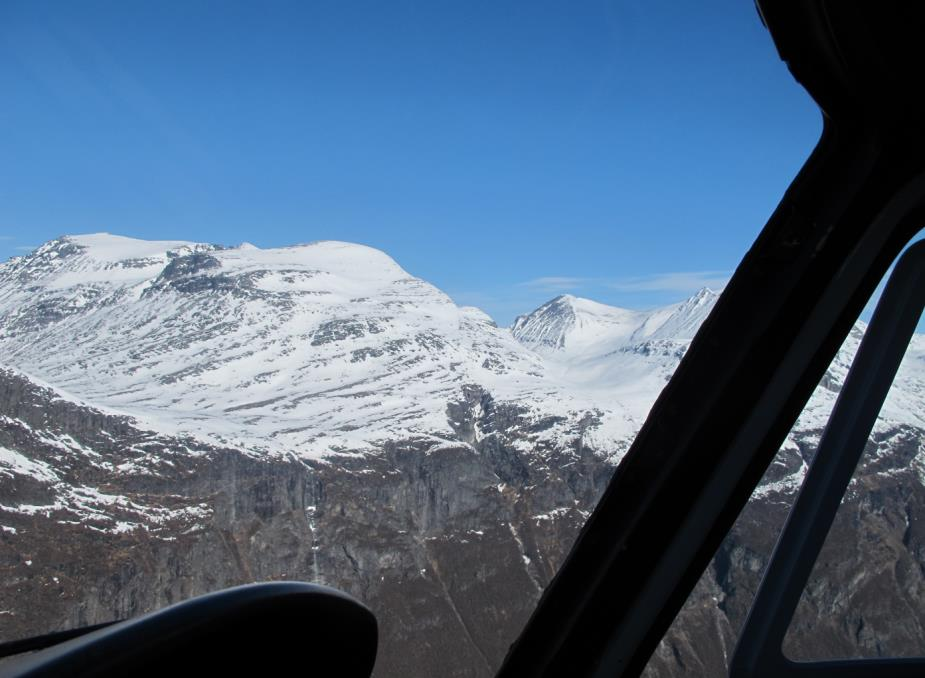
<point>374,295</point>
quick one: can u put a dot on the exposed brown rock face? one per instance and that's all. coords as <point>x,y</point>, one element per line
<point>450,546</point>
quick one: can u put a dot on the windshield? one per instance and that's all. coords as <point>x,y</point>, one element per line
<point>371,295</point>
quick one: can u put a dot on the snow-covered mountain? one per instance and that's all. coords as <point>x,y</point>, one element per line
<point>328,347</point>
<point>311,349</point>
<point>314,349</point>
<point>177,416</point>
<point>616,356</point>
<point>581,328</point>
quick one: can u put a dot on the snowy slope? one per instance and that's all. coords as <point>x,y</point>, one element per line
<point>311,349</point>
<point>612,355</point>
<point>331,347</point>
<point>574,328</point>
<point>624,358</point>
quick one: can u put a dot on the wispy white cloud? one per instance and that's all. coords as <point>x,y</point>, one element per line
<point>25,248</point>
<point>555,283</point>
<point>7,238</point>
<point>680,281</point>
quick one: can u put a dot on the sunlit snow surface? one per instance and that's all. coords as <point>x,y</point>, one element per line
<point>329,347</point>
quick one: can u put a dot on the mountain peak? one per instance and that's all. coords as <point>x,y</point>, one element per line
<point>579,328</point>
<point>548,325</point>
<point>109,248</point>
<point>702,296</point>
<point>570,322</point>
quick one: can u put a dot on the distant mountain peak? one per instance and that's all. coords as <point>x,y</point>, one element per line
<point>547,326</point>
<point>571,323</point>
<point>702,296</point>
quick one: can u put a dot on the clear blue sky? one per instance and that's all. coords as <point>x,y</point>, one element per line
<point>505,151</point>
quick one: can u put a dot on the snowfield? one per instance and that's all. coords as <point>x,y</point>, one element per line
<point>331,348</point>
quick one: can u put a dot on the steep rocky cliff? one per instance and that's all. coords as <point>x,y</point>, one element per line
<point>451,545</point>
